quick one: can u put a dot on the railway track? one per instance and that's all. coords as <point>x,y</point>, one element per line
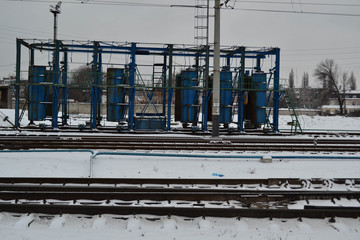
<point>283,198</point>
<point>15,142</point>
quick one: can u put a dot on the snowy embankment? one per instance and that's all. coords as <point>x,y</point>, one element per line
<point>35,227</point>
<point>158,164</point>
<point>307,122</point>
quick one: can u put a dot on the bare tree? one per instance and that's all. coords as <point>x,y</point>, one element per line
<point>291,79</point>
<point>345,82</point>
<point>352,81</point>
<point>328,73</point>
<point>305,80</point>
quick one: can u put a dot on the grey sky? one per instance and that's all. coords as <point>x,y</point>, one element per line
<point>304,39</point>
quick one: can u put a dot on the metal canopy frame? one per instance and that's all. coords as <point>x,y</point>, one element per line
<point>238,54</point>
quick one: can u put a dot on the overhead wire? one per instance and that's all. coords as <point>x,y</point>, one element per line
<point>142,4</point>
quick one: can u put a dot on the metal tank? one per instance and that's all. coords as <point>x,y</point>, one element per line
<point>37,93</point>
<point>187,97</point>
<point>116,94</point>
<point>226,98</point>
<point>259,83</point>
<point>255,104</point>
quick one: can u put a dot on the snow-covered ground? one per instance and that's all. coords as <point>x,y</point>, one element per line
<point>106,227</point>
<point>184,164</point>
<point>307,122</point>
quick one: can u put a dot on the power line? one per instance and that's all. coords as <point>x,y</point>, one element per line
<point>297,12</point>
<point>142,4</point>
<point>302,3</point>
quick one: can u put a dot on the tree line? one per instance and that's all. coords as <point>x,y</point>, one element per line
<point>333,83</point>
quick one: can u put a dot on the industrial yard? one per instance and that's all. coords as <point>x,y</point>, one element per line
<point>190,120</point>
<point>174,185</point>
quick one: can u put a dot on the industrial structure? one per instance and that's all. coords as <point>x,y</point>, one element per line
<point>151,76</point>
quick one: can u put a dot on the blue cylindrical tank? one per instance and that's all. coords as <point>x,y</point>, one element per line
<point>37,93</point>
<point>116,94</point>
<point>259,83</point>
<point>225,97</point>
<point>189,96</point>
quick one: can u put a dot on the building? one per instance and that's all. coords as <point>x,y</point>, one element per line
<point>5,92</point>
<point>351,106</point>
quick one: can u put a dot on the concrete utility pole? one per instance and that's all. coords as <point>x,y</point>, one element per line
<point>216,80</point>
<point>55,10</point>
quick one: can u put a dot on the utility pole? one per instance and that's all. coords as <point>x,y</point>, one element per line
<point>216,80</point>
<point>55,10</point>
<point>55,67</point>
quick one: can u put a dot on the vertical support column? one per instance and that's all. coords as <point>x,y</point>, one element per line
<point>241,92</point>
<point>206,92</point>
<point>55,87</point>
<point>164,84</point>
<point>32,57</point>
<point>170,90</point>
<point>132,86</point>
<point>228,61</point>
<point>94,92</point>
<point>258,63</point>
<point>99,89</point>
<point>17,85</point>
<point>276,97</point>
<point>216,82</point>
<point>65,93</point>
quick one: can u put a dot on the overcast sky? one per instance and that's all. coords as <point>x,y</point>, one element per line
<point>304,39</point>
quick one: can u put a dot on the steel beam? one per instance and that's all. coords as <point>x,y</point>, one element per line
<point>17,85</point>
<point>55,88</point>
<point>276,97</point>
<point>65,94</point>
<point>132,76</point>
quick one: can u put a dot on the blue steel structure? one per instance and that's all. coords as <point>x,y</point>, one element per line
<point>37,93</point>
<point>226,97</point>
<point>195,85</point>
<point>259,83</point>
<point>116,94</point>
<point>189,96</point>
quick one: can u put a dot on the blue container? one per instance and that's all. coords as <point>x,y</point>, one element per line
<point>37,93</point>
<point>150,122</point>
<point>259,83</point>
<point>189,96</point>
<point>116,94</point>
<point>225,97</point>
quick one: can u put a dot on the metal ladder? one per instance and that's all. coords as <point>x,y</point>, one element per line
<point>200,22</point>
<point>295,124</point>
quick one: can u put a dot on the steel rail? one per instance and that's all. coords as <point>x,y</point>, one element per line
<point>262,182</point>
<point>174,194</point>
<point>192,212</point>
<point>80,144</point>
<point>182,138</point>
<point>82,196</point>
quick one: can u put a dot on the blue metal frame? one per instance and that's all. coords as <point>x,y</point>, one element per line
<point>65,90</point>
<point>99,48</point>
<point>241,93</point>
<point>94,88</point>
<point>276,90</point>
<point>132,75</point>
<point>170,89</point>
<point>55,88</point>
<point>17,85</point>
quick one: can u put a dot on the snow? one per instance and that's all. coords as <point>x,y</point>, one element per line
<point>183,164</point>
<point>307,122</point>
<point>150,228</point>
